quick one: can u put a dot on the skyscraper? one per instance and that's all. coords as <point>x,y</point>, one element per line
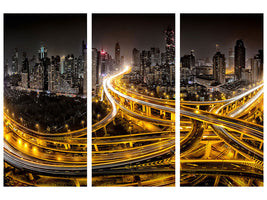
<point>84,58</point>
<point>25,71</point>
<point>155,56</point>
<point>15,62</point>
<point>145,59</point>
<point>240,58</point>
<point>42,52</point>
<point>117,56</point>
<point>170,45</point>
<point>231,60</point>
<point>188,61</point>
<point>95,65</point>
<point>45,62</point>
<point>219,67</point>
<point>122,62</point>
<point>257,67</point>
<point>69,68</point>
<point>6,68</point>
<point>136,60</point>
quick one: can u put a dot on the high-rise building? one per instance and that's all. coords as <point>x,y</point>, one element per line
<point>42,52</point>
<point>52,78</point>
<point>45,64</point>
<point>105,65</point>
<point>219,67</point>
<point>32,63</point>
<point>6,69</point>
<point>117,56</point>
<point>136,61</point>
<point>122,62</point>
<point>69,68</point>
<point>25,73</point>
<point>56,62</point>
<point>257,67</point>
<point>95,75</point>
<point>155,56</point>
<point>170,45</point>
<point>37,77</point>
<point>15,62</point>
<point>163,58</point>
<point>240,58</point>
<point>231,60</point>
<point>188,61</point>
<point>145,59</point>
<point>84,58</point>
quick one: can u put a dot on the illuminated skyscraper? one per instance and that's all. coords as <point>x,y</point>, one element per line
<point>6,68</point>
<point>25,71</point>
<point>15,62</point>
<point>95,76</point>
<point>170,45</point>
<point>84,58</point>
<point>117,56</point>
<point>136,60</point>
<point>231,59</point>
<point>257,67</point>
<point>122,62</point>
<point>188,61</point>
<point>219,67</point>
<point>145,59</point>
<point>155,56</point>
<point>240,58</point>
<point>42,53</point>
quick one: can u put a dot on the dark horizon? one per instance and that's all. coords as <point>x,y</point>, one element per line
<point>141,31</point>
<point>61,34</point>
<point>201,32</point>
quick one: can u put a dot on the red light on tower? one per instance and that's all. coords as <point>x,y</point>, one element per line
<point>102,52</point>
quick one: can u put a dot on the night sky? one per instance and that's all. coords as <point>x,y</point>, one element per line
<point>201,32</point>
<point>141,31</point>
<point>61,34</point>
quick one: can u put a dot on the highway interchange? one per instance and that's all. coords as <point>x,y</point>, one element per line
<point>216,141</point>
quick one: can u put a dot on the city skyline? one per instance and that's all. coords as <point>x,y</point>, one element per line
<point>28,32</point>
<point>141,31</point>
<point>198,33</point>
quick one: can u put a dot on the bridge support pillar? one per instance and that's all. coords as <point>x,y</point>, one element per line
<point>208,150</point>
<point>132,105</point>
<point>106,133</point>
<point>148,111</point>
<point>96,147</point>
<point>261,144</point>
<point>172,116</point>
<point>236,154</point>
<point>241,136</point>
<point>250,181</point>
<point>144,108</point>
<point>67,146</point>
<point>131,144</point>
<point>77,183</point>
<point>217,180</point>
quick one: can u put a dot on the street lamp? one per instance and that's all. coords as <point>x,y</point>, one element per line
<point>82,122</point>
<point>66,126</point>
<point>98,116</point>
<point>37,126</point>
